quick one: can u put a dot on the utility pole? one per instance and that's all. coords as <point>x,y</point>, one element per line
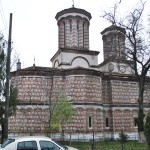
<point>5,136</point>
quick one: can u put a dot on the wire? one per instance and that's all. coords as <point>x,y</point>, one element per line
<point>3,19</point>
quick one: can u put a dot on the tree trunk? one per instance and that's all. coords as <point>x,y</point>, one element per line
<point>141,114</point>
<point>2,137</point>
<point>142,138</point>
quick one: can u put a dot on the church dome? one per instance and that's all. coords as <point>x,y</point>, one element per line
<point>71,11</point>
<point>114,42</point>
<point>112,28</point>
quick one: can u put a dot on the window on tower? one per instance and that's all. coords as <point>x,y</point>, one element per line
<point>90,122</point>
<point>64,33</point>
<point>77,33</point>
<point>70,32</point>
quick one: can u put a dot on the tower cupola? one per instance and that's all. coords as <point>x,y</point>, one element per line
<point>73,40</point>
<point>114,42</point>
<point>73,28</point>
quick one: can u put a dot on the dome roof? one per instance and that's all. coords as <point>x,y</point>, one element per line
<point>113,27</point>
<point>73,10</point>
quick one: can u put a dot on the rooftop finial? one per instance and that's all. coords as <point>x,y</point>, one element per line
<point>34,62</point>
<point>72,3</point>
<point>18,65</point>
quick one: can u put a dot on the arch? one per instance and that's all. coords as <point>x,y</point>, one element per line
<point>70,16</point>
<point>56,63</point>
<point>79,109</point>
<point>80,62</point>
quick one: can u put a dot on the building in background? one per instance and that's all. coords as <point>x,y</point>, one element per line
<point>104,95</point>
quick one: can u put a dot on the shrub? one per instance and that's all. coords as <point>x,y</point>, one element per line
<point>123,138</point>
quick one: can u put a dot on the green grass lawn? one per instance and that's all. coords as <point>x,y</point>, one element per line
<point>110,145</point>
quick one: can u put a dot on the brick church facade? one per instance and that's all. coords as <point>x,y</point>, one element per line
<point>104,96</point>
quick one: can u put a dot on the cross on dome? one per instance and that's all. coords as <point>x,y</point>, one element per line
<point>72,3</point>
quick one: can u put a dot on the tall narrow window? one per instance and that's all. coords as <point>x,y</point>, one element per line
<point>64,34</point>
<point>83,34</point>
<point>90,122</point>
<point>135,122</point>
<point>70,32</point>
<point>77,33</point>
<point>107,122</point>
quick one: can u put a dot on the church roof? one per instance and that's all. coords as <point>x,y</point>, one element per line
<point>48,71</point>
<point>75,51</point>
<point>73,10</point>
<point>113,27</point>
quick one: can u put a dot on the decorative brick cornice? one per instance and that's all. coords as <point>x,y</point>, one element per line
<point>45,71</point>
<point>121,77</point>
<point>116,60</point>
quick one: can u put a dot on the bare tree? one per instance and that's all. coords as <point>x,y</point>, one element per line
<point>137,51</point>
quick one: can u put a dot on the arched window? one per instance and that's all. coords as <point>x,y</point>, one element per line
<point>77,33</point>
<point>83,33</point>
<point>64,24</point>
<point>70,21</point>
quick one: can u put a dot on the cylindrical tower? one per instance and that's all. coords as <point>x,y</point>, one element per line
<point>114,42</point>
<point>73,28</point>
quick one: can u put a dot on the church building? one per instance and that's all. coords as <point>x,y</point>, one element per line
<point>104,96</point>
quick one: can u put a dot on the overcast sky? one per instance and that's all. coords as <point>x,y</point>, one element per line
<point>35,31</point>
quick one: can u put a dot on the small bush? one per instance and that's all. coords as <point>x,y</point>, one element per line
<point>123,138</point>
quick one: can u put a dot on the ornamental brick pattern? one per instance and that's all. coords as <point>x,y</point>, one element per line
<point>110,104</point>
<point>104,97</point>
<point>124,92</point>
